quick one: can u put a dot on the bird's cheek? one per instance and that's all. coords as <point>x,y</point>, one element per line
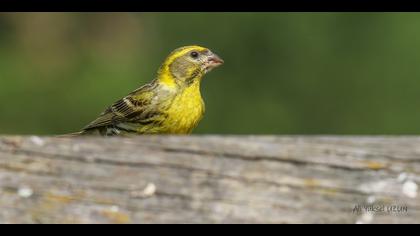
<point>204,67</point>
<point>207,67</point>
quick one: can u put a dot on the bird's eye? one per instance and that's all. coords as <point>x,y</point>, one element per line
<point>194,54</point>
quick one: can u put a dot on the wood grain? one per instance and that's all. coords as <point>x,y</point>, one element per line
<point>209,179</point>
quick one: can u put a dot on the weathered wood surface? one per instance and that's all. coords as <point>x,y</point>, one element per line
<point>209,179</point>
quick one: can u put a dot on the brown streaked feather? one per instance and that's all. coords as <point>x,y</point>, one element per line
<point>131,108</point>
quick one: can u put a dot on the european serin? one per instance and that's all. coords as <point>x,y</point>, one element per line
<point>170,104</point>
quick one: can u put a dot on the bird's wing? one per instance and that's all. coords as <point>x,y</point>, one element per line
<point>136,107</point>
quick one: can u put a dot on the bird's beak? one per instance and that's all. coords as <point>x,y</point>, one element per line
<point>213,61</point>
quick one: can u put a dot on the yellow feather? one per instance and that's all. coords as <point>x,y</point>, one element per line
<point>186,111</point>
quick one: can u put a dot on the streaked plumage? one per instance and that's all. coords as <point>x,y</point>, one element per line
<point>170,104</point>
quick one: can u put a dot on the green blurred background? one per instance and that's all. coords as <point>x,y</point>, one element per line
<point>284,73</point>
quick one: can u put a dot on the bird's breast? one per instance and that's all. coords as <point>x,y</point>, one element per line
<point>185,111</point>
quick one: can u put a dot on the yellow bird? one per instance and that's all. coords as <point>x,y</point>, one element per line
<point>170,104</point>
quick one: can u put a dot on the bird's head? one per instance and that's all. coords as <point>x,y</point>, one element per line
<point>190,63</point>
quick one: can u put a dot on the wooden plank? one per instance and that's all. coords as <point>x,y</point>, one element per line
<point>209,179</point>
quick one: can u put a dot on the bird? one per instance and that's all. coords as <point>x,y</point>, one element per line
<point>170,104</point>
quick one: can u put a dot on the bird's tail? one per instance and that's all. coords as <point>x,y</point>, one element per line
<point>71,135</point>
